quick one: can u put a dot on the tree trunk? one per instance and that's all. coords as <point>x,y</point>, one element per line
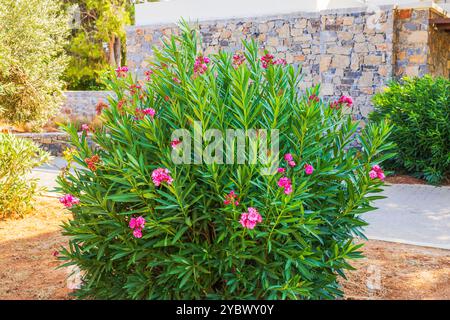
<point>111,57</point>
<point>118,51</point>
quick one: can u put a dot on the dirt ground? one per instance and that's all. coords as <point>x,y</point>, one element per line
<point>389,271</point>
<point>406,179</point>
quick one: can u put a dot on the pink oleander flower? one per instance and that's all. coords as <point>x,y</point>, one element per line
<point>176,80</point>
<point>137,233</point>
<point>231,198</point>
<point>346,100</point>
<point>253,215</point>
<point>280,62</point>
<point>376,168</point>
<point>266,60</point>
<point>250,219</point>
<point>149,111</point>
<point>334,105</point>
<point>238,59</point>
<point>288,157</point>
<point>85,128</point>
<point>281,170</point>
<point>161,175</point>
<point>284,182</point>
<point>175,143</point>
<point>148,74</point>
<point>69,200</point>
<point>291,163</point>
<point>313,97</point>
<point>121,72</point>
<point>138,222</point>
<point>377,172</point>
<point>201,64</point>
<point>309,169</point>
<point>288,189</point>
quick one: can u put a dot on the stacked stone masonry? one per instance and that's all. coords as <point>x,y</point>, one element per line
<point>53,142</point>
<point>346,51</point>
<point>81,104</point>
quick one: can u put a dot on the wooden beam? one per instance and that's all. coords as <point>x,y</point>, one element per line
<point>442,24</point>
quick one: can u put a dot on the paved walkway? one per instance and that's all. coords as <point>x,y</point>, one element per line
<point>412,214</point>
<point>47,174</point>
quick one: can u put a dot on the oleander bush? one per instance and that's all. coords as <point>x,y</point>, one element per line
<point>419,110</point>
<point>145,227</point>
<point>17,190</point>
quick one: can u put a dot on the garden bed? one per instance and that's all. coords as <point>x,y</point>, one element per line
<point>27,263</point>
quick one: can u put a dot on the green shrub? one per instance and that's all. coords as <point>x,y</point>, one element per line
<point>193,244</point>
<point>17,190</point>
<point>419,110</point>
<point>32,36</point>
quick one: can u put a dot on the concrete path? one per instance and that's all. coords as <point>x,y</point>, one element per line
<point>411,214</point>
<point>47,174</point>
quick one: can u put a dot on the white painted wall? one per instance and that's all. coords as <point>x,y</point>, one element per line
<point>171,11</point>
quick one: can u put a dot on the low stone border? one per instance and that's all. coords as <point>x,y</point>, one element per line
<point>53,142</point>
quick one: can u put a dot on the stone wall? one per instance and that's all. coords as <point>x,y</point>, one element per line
<point>348,51</point>
<point>420,49</point>
<point>81,104</point>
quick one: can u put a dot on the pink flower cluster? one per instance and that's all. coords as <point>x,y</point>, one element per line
<point>161,175</point>
<point>175,143</point>
<point>309,169</point>
<point>148,74</point>
<point>137,224</point>
<point>377,172</point>
<point>281,62</point>
<point>201,64</point>
<point>141,113</point>
<point>121,72</point>
<point>231,198</point>
<point>238,59</point>
<point>176,80</point>
<point>281,170</point>
<point>286,184</point>
<point>69,200</point>
<point>266,60</point>
<point>344,100</point>
<point>314,98</point>
<point>85,128</point>
<point>290,160</point>
<point>250,219</point>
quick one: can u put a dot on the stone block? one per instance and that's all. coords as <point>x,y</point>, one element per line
<point>372,59</point>
<point>340,61</point>
<point>418,37</point>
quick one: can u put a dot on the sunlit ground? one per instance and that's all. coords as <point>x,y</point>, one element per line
<point>390,271</point>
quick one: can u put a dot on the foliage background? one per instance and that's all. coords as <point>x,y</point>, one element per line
<point>97,40</point>
<point>17,190</point>
<point>32,59</point>
<point>419,109</point>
